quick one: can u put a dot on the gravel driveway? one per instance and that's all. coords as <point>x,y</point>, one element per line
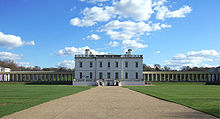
<point>108,103</point>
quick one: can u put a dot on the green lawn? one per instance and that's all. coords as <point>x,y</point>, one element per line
<point>18,96</point>
<point>199,96</point>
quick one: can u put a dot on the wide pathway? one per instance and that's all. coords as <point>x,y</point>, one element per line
<point>108,103</point>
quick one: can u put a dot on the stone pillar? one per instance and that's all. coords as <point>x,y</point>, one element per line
<point>52,77</point>
<point>164,77</point>
<point>152,77</point>
<point>29,77</point>
<point>160,77</point>
<point>217,77</point>
<point>148,77</point>
<point>168,77</point>
<point>45,77</point>
<point>213,77</point>
<point>56,77</point>
<point>32,77</point>
<point>61,77</point>
<point>21,78</point>
<point>13,75</point>
<point>37,77</point>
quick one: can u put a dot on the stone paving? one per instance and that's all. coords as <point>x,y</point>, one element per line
<point>108,103</point>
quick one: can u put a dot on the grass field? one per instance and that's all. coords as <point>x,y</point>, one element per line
<point>18,96</point>
<point>199,96</point>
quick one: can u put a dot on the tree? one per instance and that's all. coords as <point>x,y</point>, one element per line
<point>166,68</point>
<point>157,67</point>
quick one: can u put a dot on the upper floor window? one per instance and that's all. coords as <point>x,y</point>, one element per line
<point>136,75</point>
<point>136,63</point>
<point>90,75</point>
<point>91,64</point>
<point>108,75</point>
<point>126,64</point>
<point>80,75</point>
<point>109,65</point>
<point>100,64</point>
<point>116,64</point>
<point>80,64</point>
<point>126,75</point>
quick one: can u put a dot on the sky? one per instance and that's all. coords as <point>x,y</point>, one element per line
<point>48,33</point>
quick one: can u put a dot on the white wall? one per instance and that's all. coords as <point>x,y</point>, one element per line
<point>121,69</point>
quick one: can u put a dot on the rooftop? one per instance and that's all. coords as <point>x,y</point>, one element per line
<point>108,56</point>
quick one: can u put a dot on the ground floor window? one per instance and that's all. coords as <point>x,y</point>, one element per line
<point>116,75</point>
<point>90,75</point>
<point>80,75</point>
<point>109,75</point>
<point>136,75</point>
<point>100,75</point>
<point>126,75</point>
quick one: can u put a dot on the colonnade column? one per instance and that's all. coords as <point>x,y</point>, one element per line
<point>148,77</point>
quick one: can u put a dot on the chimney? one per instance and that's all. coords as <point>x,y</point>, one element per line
<point>129,51</point>
<point>87,52</point>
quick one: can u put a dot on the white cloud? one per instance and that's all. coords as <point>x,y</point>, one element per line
<point>72,51</point>
<point>113,43</point>
<point>128,19</point>
<point>92,16</point>
<point>163,12</point>
<point>93,37</point>
<point>126,30</point>
<point>133,44</point>
<point>158,52</point>
<point>9,56</point>
<point>12,41</point>
<point>205,53</point>
<point>70,64</point>
<point>192,59</point>
<point>139,10</point>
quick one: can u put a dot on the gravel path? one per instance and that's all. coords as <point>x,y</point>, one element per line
<point>108,103</point>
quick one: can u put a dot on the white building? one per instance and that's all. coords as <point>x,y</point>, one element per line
<point>5,77</point>
<point>108,69</point>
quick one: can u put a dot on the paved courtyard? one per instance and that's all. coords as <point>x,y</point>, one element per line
<point>108,103</point>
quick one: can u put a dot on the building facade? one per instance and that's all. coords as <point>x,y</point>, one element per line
<point>4,77</point>
<point>108,69</point>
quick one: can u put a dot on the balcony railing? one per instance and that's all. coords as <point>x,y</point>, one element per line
<point>108,56</point>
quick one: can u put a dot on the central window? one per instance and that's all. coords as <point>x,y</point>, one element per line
<point>109,65</point>
<point>109,75</point>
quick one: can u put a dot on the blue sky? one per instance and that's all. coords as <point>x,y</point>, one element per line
<point>48,33</point>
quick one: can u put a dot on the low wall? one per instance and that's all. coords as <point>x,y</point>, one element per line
<point>131,83</point>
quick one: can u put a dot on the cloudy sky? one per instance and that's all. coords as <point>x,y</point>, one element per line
<point>48,33</point>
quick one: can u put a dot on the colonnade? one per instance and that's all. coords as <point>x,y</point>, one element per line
<point>182,76</point>
<point>25,76</point>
